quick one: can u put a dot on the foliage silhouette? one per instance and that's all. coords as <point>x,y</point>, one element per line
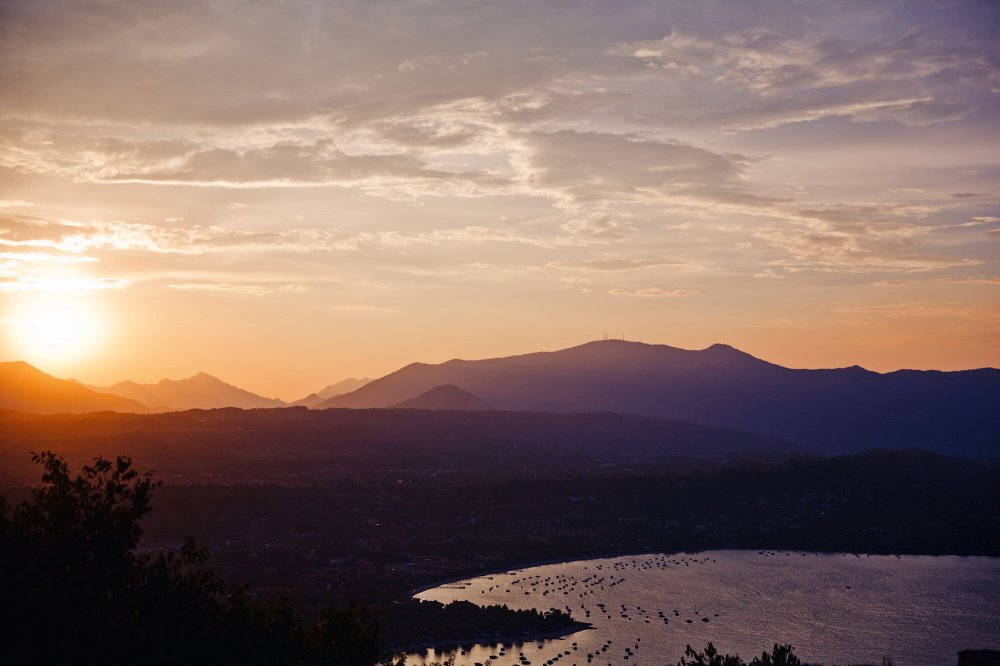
<point>780,655</point>
<point>74,584</point>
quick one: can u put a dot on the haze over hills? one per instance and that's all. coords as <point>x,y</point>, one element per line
<point>311,400</point>
<point>27,389</point>
<point>202,391</point>
<point>447,396</point>
<point>843,409</point>
<point>343,386</point>
<point>835,410</point>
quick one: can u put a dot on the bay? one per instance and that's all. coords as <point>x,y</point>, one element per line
<point>836,609</point>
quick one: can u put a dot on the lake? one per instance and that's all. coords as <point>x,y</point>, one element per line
<point>834,608</point>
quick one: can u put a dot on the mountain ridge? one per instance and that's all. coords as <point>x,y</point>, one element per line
<point>842,409</point>
<point>200,391</point>
<point>25,388</point>
<point>343,386</point>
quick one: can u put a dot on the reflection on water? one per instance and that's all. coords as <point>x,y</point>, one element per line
<point>835,609</point>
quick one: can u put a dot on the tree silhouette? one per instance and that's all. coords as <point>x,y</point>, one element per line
<point>74,587</point>
<point>344,638</point>
<point>781,655</point>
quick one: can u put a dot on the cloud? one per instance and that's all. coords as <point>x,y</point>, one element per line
<point>573,130</point>
<point>63,285</point>
<point>450,62</point>
<point>855,238</point>
<point>978,279</point>
<point>286,163</point>
<point>477,234</point>
<point>651,292</point>
<point>243,289</point>
<point>965,195</point>
<point>602,168</point>
<point>922,309</point>
<point>42,256</point>
<point>970,280</point>
<point>16,277</point>
<point>599,227</point>
<point>79,237</point>
<point>609,265</point>
<point>764,76</point>
<point>768,273</point>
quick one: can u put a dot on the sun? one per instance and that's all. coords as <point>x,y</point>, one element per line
<point>57,331</point>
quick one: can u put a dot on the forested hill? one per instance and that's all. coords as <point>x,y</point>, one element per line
<point>296,439</point>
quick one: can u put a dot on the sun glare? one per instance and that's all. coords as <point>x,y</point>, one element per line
<point>57,330</point>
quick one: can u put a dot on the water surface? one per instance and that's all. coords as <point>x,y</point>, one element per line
<point>834,608</point>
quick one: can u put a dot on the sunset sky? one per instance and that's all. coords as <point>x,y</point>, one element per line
<point>285,194</point>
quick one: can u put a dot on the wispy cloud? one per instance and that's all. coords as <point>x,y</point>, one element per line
<point>609,265</point>
<point>243,289</point>
<point>772,76</point>
<point>924,308</point>
<point>651,292</point>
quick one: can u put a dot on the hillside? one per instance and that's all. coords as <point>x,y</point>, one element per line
<point>298,440</point>
<point>845,409</point>
<point>27,389</point>
<point>446,396</point>
<point>202,391</point>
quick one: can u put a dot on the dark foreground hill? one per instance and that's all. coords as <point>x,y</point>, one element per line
<point>845,409</point>
<point>295,440</point>
<point>28,389</point>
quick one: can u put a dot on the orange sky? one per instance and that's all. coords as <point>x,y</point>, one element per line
<point>288,199</point>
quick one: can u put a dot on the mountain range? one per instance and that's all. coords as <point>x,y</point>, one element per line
<point>832,410</point>
<point>27,389</point>
<point>844,409</point>
<point>341,387</point>
<point>201,391</point>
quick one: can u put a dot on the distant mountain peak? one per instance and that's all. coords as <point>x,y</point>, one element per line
<point>205,378</point>
<point>348,385</point>
<point>309,401</point>
<point>200,391</point>
<point>446,396</point>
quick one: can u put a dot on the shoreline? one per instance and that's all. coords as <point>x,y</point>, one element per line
<point>574,628</point>
<point>410,594</point>
<point>541,563</point>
